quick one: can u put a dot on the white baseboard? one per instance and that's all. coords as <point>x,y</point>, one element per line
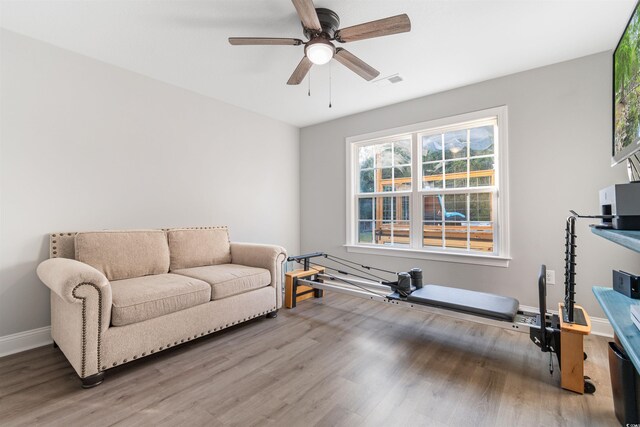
<point>599,325</point>
<point>602,327</point>
<point>15,343</point>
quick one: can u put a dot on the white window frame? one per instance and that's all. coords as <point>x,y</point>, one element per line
<point>501,256</point>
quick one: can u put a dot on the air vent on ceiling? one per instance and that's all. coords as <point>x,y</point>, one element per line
<point>388,80</point>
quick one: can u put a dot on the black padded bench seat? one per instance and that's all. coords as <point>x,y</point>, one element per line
<point>465,301</point>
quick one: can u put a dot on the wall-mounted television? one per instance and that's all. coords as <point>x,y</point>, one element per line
<point>626,91</point>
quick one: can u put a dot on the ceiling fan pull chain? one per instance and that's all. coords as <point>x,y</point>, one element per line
<point>329,84</point>
<point>309,92</point>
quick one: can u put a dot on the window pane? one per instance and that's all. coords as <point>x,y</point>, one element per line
<point>481,140</point>
<point>455,144</point>
<point>391,208</point>
<point>366,181</point>
<point>481,236</point>
<point>365,232</point>
<point>386,180</point>
<point>404,210</point>
<point>481,164</point>
<point>432,234</point>
<point>482,172</point>
<point>455,207</point>
<point>455,235</point>
<point>481,179</point>
<point>432,208</point>
<point>431,148</point>
<point>480,205</point>
<point>385,173</point>
<point>382,232</point>
<point>365,156</point>
<point>384,158</point>
<point>402,172</point>
<point>403,185</point>
<point>393,220</point>
<point>402,178</point>
<point>456,174</point>
<point>391,233</point>
<point>387,208</point>
<point>401,208</point>
<point>365,208</point>
<point>402,153</point>
<point>400,233</point>
<point>432,175</point>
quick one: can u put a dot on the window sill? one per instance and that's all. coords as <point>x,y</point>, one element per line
<point>488,260</point>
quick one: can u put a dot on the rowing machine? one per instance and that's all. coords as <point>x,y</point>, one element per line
<point>547,331</point>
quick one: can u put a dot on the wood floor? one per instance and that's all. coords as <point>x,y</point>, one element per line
<point>331,361</point>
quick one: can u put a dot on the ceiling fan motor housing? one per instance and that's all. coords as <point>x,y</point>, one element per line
<point>329,21</point>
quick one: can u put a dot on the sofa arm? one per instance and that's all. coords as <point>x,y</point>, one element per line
<point>270,257</point>
<point>75,282</point>
<point>63,276</point>
<point>80,311</point>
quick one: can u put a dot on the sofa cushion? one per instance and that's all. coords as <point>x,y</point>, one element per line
<point>143,298</point>
<point>124,254</point>
<point>198,247</point>
<point>229,279</point>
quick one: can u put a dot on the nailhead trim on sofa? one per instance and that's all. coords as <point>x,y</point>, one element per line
<point>189,338</point>
<point>84,324</point>
<point>54,243</point>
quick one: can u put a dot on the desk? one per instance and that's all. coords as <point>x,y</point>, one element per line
<point>630,239</point>
<point>617,308</point>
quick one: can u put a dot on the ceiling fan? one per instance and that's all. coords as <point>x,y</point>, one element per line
<point>320,27</point>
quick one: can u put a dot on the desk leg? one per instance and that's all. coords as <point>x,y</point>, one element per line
<point>572,362</point>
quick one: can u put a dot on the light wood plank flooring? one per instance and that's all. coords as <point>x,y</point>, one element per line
<point>332,361</point>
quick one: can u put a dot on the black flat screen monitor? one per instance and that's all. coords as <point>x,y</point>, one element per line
<point>626,91</point>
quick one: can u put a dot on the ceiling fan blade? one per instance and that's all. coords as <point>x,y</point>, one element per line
<point>251,41</point>
<point>381,27</point>
<point>307,13</point>
<point>300,72</point>
<point>355,64</point>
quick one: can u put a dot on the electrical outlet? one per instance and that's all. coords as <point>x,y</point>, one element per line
<point>551,277</point>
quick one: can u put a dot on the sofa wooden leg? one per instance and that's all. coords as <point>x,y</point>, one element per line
<point>272,315</point>
<point>92,380</point>
<point>55,345</point>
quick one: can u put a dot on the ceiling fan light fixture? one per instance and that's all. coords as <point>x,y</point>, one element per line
<point>319,51</point>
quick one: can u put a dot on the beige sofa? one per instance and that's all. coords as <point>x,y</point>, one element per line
<point>118,296</point>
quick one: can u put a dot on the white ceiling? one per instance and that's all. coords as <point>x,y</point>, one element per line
<point>452,43</point>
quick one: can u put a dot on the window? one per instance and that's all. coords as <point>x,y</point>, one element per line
<point>432,190</point>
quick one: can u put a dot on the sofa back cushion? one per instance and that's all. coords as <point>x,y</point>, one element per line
<point>198,247</point>
<point>124,254</point>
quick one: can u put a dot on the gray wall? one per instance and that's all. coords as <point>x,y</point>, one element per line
<point>559,125</point>
<point>85,146</point>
